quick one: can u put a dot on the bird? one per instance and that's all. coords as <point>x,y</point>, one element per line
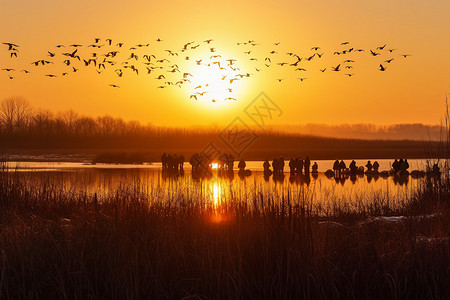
<point>11,46</point>
<point>114,85</point>
<point>405,55</point>
<point>301,79</point>
<point>389,60</point>
<point>374,53</point>
<point>315,48</point>
<point>230,98</point>
<point>51,54</point>
<point>348,61</point>
<point>8,69</point>
<point>50,75</point>
<point>323,70</point>
<point>208,41</point>
<point>381,47</point>
<point>349,75</point>
<point>336,69</point>
<point>382,68</point>
<point>345,43</point>
<point>280,79</point>
<point>193,96</point>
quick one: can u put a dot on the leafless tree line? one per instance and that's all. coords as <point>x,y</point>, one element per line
<point>21,125</point>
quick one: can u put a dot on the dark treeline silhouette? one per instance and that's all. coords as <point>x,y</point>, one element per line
<point>23,129</point>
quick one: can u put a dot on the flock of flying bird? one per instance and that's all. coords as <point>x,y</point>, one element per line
<point>143,59</point>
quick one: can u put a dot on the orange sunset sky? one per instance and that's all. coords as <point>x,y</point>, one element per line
<point>411,90</point>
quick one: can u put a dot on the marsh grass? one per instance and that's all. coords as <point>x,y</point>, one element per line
<point>65,242</point>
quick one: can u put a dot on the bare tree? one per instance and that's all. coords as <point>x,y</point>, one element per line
<point>15,113</point>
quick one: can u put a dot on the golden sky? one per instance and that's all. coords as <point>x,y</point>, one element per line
<point>411,90</point>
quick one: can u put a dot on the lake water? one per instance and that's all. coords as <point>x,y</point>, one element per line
<point>385,164</point>
<point>324,194</point>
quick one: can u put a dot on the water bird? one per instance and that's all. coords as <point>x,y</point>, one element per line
<point>336,69</point>
<point>11,46</point>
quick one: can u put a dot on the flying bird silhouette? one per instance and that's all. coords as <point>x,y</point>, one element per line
<point>336,69</point>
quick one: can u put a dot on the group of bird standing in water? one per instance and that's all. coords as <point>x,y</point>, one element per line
<point>202,166</point>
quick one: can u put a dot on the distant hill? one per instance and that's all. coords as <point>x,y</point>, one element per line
<point>415,132</point>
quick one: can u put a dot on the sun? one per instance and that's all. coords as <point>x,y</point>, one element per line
<point>215,79</point>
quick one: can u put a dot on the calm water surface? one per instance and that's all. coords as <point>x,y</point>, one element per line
<point>148,180</point>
